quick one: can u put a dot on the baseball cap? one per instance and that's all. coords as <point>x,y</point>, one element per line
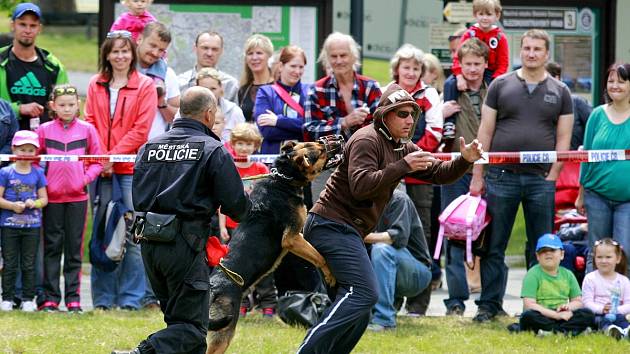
<point>549,241</point>
<point>23,137</point>
<point>23,8</point>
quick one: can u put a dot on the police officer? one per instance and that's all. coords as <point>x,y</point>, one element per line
<point>181,178</point>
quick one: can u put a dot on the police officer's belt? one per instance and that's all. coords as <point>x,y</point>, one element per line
<point>159,227</point>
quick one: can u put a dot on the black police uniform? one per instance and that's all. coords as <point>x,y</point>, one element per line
<point>186,172</point>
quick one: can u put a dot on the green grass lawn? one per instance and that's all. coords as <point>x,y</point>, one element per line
<point>378,69</point>
<point>70,45</point>
<point>100,332</point>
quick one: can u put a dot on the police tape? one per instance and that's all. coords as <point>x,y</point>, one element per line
<point>493,158</point>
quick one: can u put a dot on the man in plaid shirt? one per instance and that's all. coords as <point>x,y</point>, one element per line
<point>342,102</point>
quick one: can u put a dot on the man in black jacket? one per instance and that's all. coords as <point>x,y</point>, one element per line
<point>400,258</point>
<point>185,173</point>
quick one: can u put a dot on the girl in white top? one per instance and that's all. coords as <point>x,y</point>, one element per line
<point>606,291</point>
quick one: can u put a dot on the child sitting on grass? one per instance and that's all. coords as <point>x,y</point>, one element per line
<point>606,282</point>
<point>22,197</point>
<point>551,294</point>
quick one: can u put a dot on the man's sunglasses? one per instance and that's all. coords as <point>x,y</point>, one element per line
<point>403,114</point>
<point>59,91</point>
<point>118,34</point>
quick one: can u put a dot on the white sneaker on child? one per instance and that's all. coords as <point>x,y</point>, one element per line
<point>28,306</point>
<point>615,332</point>
<point>6,306</point>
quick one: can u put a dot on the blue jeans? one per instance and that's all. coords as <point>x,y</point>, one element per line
<point>603,323</point>
<point>455,272</point>
<point>125,286</point>
<point>399,274</point>
<point>607,218</point>
<point>505,190</point>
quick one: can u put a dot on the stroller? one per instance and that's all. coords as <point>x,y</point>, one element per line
<point>569,225</point>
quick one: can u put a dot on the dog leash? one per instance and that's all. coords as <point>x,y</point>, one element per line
<point>234,276</point>
<point>249,178</point>
<point>274,172</point>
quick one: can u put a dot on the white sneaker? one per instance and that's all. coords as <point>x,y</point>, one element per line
<point>615,332</point>
<point>28,306</point>
<point>6,306</point>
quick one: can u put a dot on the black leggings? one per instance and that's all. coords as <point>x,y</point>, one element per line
<point>533,321</point>
<point>19,246</point>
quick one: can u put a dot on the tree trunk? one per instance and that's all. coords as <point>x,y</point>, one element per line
<point>58,6</point>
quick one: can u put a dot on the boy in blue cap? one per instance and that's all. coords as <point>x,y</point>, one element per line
<point>551,295</point>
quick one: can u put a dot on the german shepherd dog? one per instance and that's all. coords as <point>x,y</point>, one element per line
<point>271,229</point>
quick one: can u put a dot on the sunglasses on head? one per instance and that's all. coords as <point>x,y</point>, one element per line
<point>623,73</point>
<point>606,242</point>
<point>118,34</point>
<point>205,75</point>
<point>59,91</point>
<point>403,114</point>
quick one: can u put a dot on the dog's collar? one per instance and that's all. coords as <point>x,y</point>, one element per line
<point>291,180</point>
<point>275,172</point>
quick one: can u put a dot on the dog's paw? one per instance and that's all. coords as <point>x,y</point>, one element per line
<point>330,279</point>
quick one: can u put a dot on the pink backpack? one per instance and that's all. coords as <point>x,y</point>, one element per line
<point>463,220</point>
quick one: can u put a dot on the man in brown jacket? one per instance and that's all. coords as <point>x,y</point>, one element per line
<point>376,157</point>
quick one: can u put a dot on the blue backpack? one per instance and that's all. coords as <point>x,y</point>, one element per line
<point>112,222</point>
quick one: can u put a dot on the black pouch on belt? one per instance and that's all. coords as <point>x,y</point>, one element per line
<point>161,227</point>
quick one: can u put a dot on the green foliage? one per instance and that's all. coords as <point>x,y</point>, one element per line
<point>100,332</point>
<point>9,5</point>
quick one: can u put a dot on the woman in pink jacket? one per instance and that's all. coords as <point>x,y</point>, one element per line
<point>64,216</point>
<point>121,104</point>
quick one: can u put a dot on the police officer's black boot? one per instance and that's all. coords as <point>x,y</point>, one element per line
<point>143,348</point>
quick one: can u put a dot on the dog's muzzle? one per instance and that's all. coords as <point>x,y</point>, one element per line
<point>334,150</point>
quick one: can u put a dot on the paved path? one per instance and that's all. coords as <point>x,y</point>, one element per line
<point>80,80</point>
<point>511,303</point>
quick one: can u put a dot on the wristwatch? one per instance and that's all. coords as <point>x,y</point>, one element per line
<point>163,106</point>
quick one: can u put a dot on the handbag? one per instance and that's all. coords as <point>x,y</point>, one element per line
<point>300,308</point>
<point>463,220</point>
<point>111,226</point>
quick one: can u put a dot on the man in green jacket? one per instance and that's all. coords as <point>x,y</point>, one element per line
<point>28,73</point>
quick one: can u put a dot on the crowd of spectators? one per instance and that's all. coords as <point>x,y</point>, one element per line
<point>135,96</point>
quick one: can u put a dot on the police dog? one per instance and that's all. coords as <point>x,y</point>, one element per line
<point>271,229</point>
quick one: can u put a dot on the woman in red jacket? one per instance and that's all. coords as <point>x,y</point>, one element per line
<point>121,103</point>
